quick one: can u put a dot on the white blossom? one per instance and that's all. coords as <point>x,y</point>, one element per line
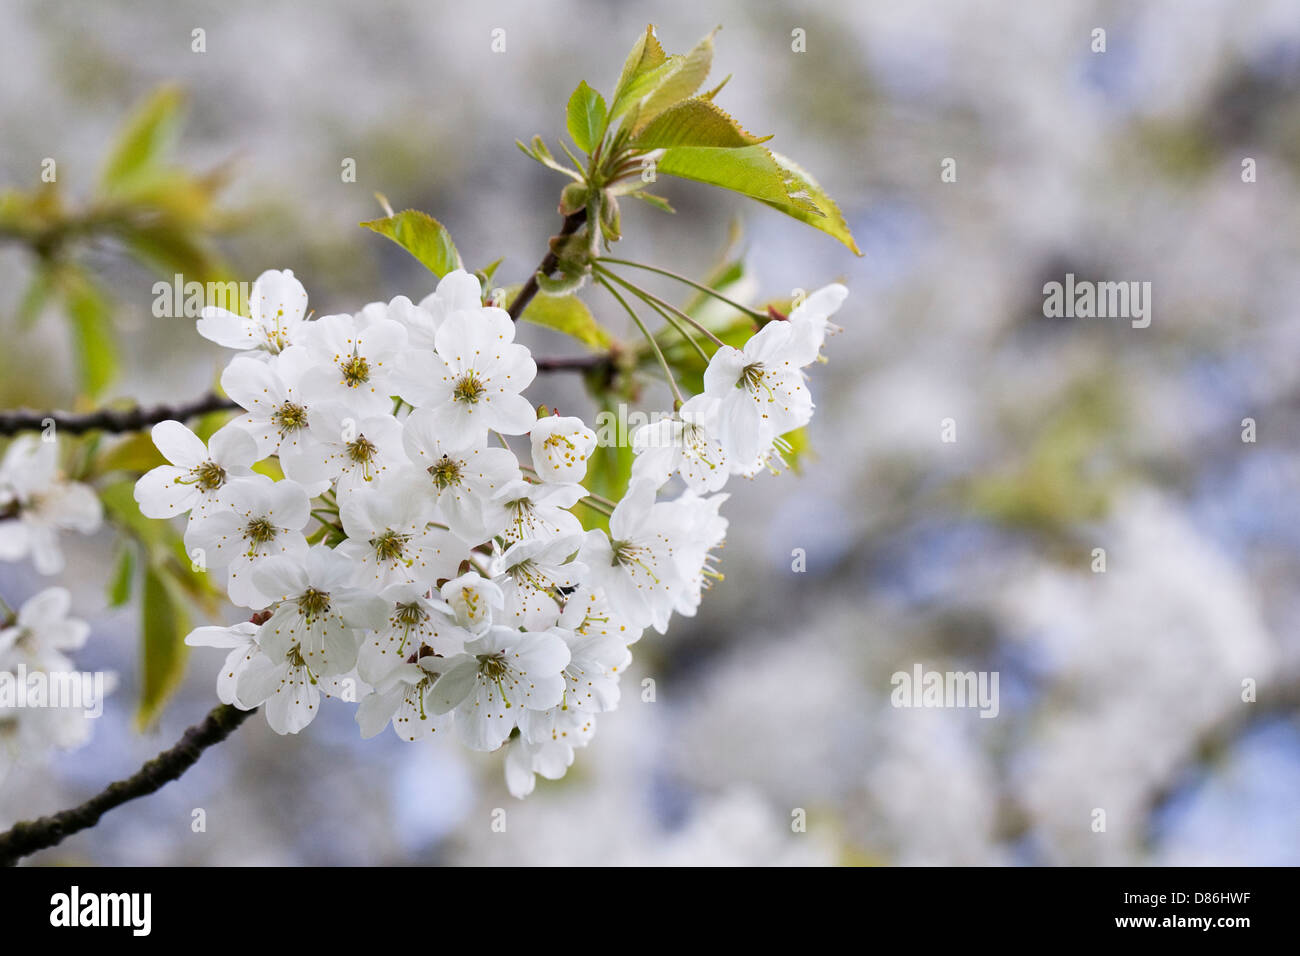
<point>685,444</point>
<point>473,601</point>
<point>41,633</point>
<point>403,700</point>
<point>760,391</point>
<point>462,482</point>
<point>271,393</point>
<point>470,385</point>
<point>391,539</point>
<point>352,451</point>
<point>561,448</point>
<point>810,322</point>
<point>241,641</point>
<point>635,563</point>
<point>37,502</point>
<point>552,756</point>
<point>416,625</point>
<point>458,291</point>
<point>501,674</point>
<point>277,307</point>
<point>311,636</point>
<point>198,473</point>
<point>253,519</point>
<point>353,361</point>
<point>532,575</point>
<point>539,509</point>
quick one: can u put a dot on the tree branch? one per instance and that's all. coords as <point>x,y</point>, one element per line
<point>572,223</point>
<point>109,420</point>
<point>138,418</point>
<point>576,363</point>
<point>32,835</point>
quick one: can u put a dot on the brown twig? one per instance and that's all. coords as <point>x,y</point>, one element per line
<point>32,835</point>
<point>572,223</point>
<point>110,420</point>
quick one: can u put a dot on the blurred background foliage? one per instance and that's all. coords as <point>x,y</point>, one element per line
<point>1119,691</point>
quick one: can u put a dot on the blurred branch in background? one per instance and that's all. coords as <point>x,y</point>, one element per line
<point>159,214</point>
<point>111,420</point>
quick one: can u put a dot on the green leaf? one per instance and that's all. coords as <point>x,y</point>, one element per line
<point>694,123</point>
<point>541,154</point>
<point>689,76</point>
<point>136,453</point>
<point>646,56</point>
<point>771,178</point>
<point>659,202</point>
<point>422,236</point>
<point>143,141</point>
<point>35,297</point>
<point>488,271</point>
<point>93,344</point>
<point>164,622</point>
<point>567,314</point>
<point>119,585</point>
<point>118,499</point>
<point>800,184</point>
<point>640,89</point>
<point>168,249</point>
<point>586,117</point>
<point>717,89</point>
<point>201,586</point>
<point>749,170</point>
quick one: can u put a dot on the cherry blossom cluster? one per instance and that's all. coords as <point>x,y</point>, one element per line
<point>34,644</point>
<point>408,559</point>
<point>37,502</point>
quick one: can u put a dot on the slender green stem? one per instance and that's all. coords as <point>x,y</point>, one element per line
<point>602,500</point>
<point>707,290</point>
<point>329,519</point>
<point>651,297</point>
<point>597,507</point>
<point>659,353</point>
<point>680,329</point>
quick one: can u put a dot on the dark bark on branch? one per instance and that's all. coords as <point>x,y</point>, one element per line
<point>137,419</point>
<point>109,420</point>
<point>577,363</point>
<point>32,835</point>
<point>548,265</point>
